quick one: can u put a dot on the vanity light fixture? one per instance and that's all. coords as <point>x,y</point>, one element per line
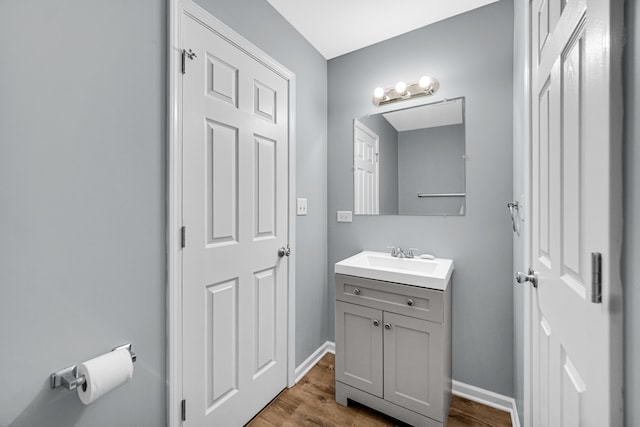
<point>424,87</point>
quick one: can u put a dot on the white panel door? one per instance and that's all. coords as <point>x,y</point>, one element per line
<point>365,170</point>
<point>235,192</point>
<point>574,340</point>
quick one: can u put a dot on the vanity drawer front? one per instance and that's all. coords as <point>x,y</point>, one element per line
<point>422,303</point>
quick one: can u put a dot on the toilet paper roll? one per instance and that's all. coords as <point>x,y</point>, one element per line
<point>104,373</point>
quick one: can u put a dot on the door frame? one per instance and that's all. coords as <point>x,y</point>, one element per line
<point>612,282</point>
<point>178,8</point>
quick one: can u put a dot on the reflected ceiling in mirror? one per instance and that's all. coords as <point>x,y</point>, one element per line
<point>411,161</point>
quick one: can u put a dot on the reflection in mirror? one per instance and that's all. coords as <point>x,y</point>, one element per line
<point>411,161</point>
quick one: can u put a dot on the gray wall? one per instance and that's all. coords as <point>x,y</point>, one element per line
<point>388,172</point>
<point>268,30</point>
<point>82,216</point>
<point>455,52</point>
<point>432,161</point>
<point>519,135</point>
<point>631,250</point>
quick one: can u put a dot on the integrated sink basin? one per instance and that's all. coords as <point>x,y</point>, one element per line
<point>426,273</point>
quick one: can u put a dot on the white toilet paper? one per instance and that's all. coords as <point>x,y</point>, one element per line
<point>104,373</point>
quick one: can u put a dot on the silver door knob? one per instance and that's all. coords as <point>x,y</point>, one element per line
<point>410,302</point>
<point>284,251</point>
<point>387,325</point>
<point>356,291</point>
<point>532,277</point>
<point>376,322</point>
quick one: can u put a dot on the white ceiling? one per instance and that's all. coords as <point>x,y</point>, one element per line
<point>426,116</point>
<point>336,27</point>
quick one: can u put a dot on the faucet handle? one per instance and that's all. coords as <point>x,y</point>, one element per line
<point>410,253</point>
<point>394,250</point>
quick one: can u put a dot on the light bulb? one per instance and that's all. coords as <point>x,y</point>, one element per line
<point>378,93</point>
<point>425,82</point>
<point>401,87</point>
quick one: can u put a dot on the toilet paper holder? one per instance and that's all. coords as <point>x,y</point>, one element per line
<point>68,377</point>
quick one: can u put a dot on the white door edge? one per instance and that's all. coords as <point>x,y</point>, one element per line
<point>525,137</point>
<point>177,8</point>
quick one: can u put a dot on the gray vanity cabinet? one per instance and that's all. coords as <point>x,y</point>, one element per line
<point>393,348</point>
<point>359,332</point>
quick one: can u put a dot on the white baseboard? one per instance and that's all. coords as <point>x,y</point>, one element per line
<point>304,367</point>
<point>489,398</point>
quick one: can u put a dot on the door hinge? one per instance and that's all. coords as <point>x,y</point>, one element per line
<point>596,277</point>
<point>186,54</point>
<point>183,408</point>
<point>183,236</point>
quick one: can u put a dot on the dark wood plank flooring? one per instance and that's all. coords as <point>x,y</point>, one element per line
<point>311,402</point>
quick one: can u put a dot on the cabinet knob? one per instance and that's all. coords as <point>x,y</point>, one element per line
<point>376,322</point>
<point>387,325</point>
<point>356,291</point>
<point>410,302</point>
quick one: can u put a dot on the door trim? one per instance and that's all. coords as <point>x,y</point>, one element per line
<point>177,8</point>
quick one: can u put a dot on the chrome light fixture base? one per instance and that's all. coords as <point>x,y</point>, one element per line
<point>426,86</point>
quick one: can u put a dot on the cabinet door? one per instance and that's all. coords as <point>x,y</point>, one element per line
<point>359,347</point>
<point>413,364</point>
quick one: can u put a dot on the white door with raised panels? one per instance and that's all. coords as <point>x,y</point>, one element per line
<point>366,174</point>
<point>235,210</point>
<point>575,337</point>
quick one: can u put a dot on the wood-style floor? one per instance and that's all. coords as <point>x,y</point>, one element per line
<point>311,402</point>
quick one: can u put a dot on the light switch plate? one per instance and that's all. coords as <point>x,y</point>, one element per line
<point>301,206</point>
<point>345,216</point>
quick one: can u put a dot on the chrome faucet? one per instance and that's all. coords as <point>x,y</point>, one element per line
<point>398,252</point>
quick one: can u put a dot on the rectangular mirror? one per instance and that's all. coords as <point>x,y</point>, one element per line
<point>411,161</point>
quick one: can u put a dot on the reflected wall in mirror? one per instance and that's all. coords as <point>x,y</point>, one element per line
<point>411,161</point>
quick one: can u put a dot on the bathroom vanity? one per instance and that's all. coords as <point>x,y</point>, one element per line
<point>393,338</point>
